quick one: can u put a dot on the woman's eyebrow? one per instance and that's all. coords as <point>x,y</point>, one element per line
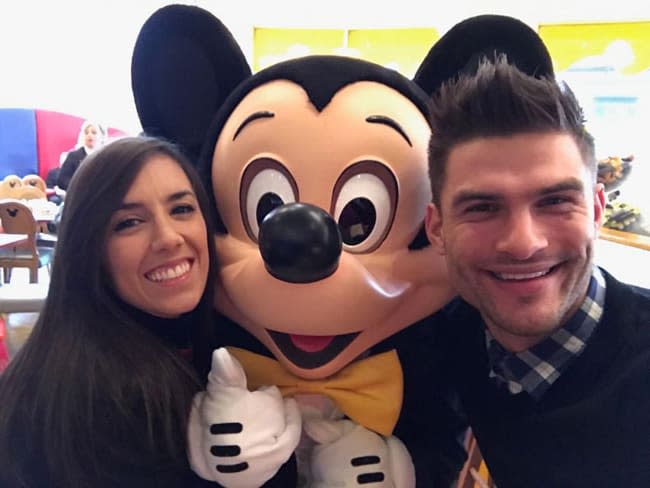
<point>181,194</point>
<point>177,195</point>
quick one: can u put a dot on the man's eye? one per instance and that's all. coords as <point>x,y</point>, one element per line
<point>481,207</point>
<point>126,224</point>
<point>553,200</point>
<point>183,209</point>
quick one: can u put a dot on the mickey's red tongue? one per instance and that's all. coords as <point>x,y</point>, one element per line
<point>310,343</point>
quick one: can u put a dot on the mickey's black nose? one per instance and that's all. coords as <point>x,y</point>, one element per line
<point>300,243</point>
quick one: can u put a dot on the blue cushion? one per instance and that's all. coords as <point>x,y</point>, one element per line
<point>18,151</point>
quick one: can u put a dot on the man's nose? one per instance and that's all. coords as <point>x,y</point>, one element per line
<point>522,236</point>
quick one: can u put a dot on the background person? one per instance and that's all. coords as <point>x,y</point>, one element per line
<point>550,354</point>
<point>91,138</point>
<point>100,393</point>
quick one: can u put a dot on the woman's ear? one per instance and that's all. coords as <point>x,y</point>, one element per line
<point>433,227</point>
<point>185,64</point>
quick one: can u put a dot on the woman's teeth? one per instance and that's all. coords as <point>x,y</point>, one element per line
<point>169,273</point>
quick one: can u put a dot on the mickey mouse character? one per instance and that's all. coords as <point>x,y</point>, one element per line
<point>328,289</point>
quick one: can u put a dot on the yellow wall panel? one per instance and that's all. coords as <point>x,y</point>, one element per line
<point>623,43</point>
<point>400,49</point>
<point>274,45</point>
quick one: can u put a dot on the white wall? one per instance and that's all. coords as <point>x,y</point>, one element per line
<point>70,56</point>
<point>74,55</point>
<point>628,264</point>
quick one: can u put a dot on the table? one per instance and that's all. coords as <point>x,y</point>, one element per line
<point>8,240</point>
<point>21,298</point>
<point>43,212</point>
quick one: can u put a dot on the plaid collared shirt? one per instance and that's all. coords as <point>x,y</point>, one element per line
<point>536,369</point>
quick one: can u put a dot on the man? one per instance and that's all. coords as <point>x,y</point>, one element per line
<point>550,354</point>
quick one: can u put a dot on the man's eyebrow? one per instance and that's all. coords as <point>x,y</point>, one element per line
<point>383,119</point>
<point>570,184</point>
<point>465,196</point>
<point>178,195</point>
<point>262,114</point>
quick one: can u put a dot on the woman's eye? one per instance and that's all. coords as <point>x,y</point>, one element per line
<point>126,224</point>
<point>183,209</point>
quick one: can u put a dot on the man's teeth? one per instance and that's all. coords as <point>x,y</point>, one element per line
<point>169,273</point>
<point>521,276</point>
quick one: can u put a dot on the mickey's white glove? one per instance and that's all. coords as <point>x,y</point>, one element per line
<point>349,455</point>
<point>239,438</point>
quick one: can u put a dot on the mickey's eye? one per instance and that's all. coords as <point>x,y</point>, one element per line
<point>365,198</point>
<point>266,185</point>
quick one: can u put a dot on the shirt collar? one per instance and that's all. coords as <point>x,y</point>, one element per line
<point>536,369</point>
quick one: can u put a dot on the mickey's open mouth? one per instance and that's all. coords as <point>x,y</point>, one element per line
<point>310,352</point>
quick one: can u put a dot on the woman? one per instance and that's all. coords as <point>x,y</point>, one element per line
<point>100,393</point>
<point>91,138</point>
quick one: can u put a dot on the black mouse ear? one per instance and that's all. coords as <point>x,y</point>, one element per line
<point>463,46</point>
<point>184,65</point>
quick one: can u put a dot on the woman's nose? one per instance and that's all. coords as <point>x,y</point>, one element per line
<point>165,236</point>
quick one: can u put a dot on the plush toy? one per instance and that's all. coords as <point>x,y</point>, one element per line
<point>620,214</point>
<point>613,170</point>
<point>328,288</point>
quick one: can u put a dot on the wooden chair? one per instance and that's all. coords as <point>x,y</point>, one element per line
<point>33,188</point>
<point>17,218</point>
<point>34,180</point>
<point>474,473</point>
<point>10,186</point>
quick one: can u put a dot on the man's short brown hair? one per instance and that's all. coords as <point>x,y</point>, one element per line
<point>496,101</point>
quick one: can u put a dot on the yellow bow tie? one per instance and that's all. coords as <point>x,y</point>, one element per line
<point>368,391</point>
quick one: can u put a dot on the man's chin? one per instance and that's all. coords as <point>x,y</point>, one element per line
<point>528,328</point>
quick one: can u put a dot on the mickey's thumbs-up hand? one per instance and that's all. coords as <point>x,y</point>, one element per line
<point>237,437</point>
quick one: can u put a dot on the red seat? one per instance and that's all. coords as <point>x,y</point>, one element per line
<point>4,353</point>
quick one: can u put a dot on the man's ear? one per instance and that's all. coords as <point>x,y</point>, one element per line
<point>433,227</point>
<point>599,204</point>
